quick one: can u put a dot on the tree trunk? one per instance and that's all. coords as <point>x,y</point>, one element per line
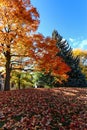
<point>19,81</point>
<point>8,71</point>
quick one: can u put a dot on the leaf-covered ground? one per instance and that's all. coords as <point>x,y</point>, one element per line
<point>44,109</point>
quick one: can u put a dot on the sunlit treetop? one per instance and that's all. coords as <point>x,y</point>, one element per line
<point>18,19</point>
<point>14,11</point>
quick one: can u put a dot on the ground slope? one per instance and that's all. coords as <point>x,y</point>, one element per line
<point>44,109</point>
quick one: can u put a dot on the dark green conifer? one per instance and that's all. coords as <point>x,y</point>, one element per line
<point>76,77</point>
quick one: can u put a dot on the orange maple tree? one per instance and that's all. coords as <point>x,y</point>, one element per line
<point>48,61</point>
<point>18,42</point>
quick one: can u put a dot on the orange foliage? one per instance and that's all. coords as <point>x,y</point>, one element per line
<point>18,22</point>
<point>18,19</point>
<point>46,56</point>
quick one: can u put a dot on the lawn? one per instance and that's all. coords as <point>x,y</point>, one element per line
<point>44,109</point>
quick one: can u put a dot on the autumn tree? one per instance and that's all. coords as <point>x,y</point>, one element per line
<point>18,18</point>
<point>82,54</point>
<point>50,63</point>
<point>20,47</point>
<point>21,79</point>
<point>76,77</point>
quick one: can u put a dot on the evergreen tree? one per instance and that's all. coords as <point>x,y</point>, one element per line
<point>76,77</point>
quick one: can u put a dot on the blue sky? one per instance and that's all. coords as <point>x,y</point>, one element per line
<point>68,17</point>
